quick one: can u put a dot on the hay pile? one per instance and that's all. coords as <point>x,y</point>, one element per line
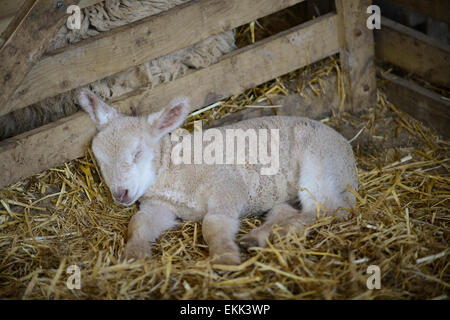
<point>66,216</point>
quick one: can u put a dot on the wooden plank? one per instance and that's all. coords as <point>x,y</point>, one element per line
<point>436,9</point>
<point>242,69</point>
<point>87,3</point>
<point>356,54</point>
<point>27,36</point>
<point>413,51</point>
<point>66,139</point>
<point>15,21</point>
<point>134,44</point>
<point>3,25</point>
<point>9,8</point>
<point>423,104</point>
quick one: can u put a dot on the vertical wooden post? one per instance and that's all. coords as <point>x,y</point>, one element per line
<point>357,51</point>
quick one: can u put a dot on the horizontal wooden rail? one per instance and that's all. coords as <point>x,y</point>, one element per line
<point>26,39</point>
<point>413,51</point>
<point>423,104</point>
<point>7,11</point>
<point>436,9</point>
<point>67,138</point>
<point>134,44</point>
<point>8,8</point>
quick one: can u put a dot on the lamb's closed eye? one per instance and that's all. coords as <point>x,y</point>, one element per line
<point>137,155</point>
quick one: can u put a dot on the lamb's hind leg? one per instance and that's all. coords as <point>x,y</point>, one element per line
<point>282,215</point>
<point>323,187</point>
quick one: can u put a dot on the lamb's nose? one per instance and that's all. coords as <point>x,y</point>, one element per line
<point>121,195</point>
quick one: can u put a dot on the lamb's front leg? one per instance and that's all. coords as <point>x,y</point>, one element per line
<point>221,223</point>
<point>219,231</point>
<point>146,226</point>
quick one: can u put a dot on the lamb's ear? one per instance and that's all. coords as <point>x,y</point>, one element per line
<point>170,118</point>
<point>100,112</point>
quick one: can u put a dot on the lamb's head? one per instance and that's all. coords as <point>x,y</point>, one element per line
<point>126,147</point>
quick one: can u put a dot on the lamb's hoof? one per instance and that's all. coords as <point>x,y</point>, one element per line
<point>248,243</point>
<point>138,250</point>
<point>251,239</point>
<point>227,258</point>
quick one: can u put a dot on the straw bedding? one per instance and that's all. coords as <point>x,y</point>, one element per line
<point>66,216</point>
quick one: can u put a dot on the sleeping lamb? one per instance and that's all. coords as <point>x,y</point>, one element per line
<point>136,156</point>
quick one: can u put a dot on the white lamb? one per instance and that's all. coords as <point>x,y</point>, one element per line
<point>316,166</point>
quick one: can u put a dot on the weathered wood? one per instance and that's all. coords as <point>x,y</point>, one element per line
<point>27,36</point>
<point>8,8</point>
<point>16,20</point>
<point>66,139</point>
<point>356,54</point>
<point>7,12</point>
<point>423,104</point>
<point>413,51</point>
<point>436,9</point>
<point>11,7</point>
<point>88,3</point>
<point>134,44</point>
<point>243,69</point>
<point>3,25</point>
